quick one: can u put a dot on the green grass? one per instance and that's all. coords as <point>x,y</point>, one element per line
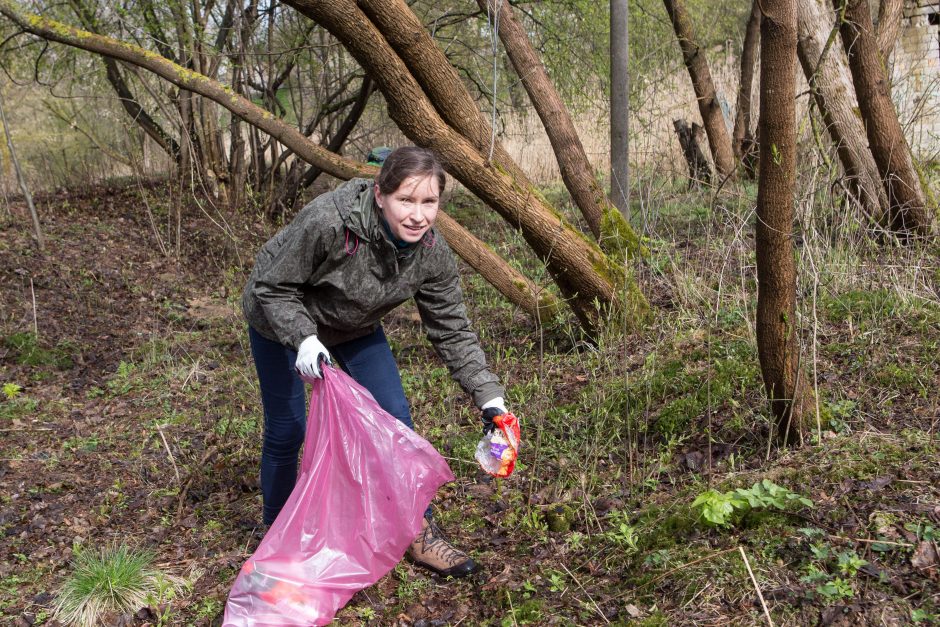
<point>29,352</point>
<point>115,579</point>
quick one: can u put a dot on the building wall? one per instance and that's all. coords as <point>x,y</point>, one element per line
<point>915,77</point>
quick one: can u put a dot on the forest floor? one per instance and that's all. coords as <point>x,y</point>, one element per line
<point>130,414</point>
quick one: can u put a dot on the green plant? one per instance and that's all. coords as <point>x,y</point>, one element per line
<point>923,616</point>
<point>556,581</point>
<point>718,507</point>
<point>925,532</point>
<point>836,590</point>
<point>623,534</point>
<point>209,608</point>
<point>849,563</point>
<point>11,390</point>
<point>112,579</point>
<point>366,613</point>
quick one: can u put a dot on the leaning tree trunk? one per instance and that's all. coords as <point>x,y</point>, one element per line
<point>516,287</point>
<point>827,73</point>
<point>777,328</point>
<point>890,13</point>
<point>582,272</point>
<point>719,141</point>
<point>742,138</point>
<point>576,169</point>
<point>406,37</point>
<point>907,211</point>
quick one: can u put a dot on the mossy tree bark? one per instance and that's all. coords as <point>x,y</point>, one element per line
<point>777,328</point>
<point>513,285</point>
<point>825,67</point>
<point>719,140</point>
<point>907,211</point>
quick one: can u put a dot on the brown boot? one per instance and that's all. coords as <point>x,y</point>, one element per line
<point>432,551</point>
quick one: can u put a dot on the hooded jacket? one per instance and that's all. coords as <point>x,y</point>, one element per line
<point>332,272</point>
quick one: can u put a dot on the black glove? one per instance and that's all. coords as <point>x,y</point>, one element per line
<point>488,415</point>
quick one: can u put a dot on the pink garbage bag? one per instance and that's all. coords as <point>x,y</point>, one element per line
<point>365,482</point>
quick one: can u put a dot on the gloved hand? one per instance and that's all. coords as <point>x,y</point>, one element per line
<point>491,409</point>
<point>309,354</point>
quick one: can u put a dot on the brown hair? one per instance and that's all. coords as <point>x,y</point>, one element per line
<point>409,161</point>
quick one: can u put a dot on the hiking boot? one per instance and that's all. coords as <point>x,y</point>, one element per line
<point>432,551</point>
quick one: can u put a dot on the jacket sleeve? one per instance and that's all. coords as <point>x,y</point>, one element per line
<point>440,304</point>
<point>279,287</point>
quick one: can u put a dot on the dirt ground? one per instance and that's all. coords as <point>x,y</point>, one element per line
<point>130,414</point>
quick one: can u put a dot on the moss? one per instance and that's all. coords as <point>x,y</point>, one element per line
<point>559,518</point>
<point>618,239</point>
<point>29,353</point>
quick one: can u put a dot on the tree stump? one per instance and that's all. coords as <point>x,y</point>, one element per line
<point>690,139</point>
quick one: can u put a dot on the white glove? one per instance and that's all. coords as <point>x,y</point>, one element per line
<point>309,353</point>
<point>497,403</point>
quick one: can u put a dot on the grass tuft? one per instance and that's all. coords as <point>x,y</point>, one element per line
<point>112,580</point>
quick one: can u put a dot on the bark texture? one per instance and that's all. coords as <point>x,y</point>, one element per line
<point>620,106</point>
<point>907,211</point>
<point>518,289</point>
<point>719,140</point>
<point>827,73</point>
<point>890,13</point>
<point>742,138</point>
<point>582,272</point>
<point>777,329</point>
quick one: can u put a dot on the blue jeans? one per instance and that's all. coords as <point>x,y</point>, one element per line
<point>368,360</point>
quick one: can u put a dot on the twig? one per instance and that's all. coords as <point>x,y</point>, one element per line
<point>869,541</point>
<point>756,587</point>
<point>570,574</point>
<point>27,429</point>
<point>170,454</point>
<point>32,291</point>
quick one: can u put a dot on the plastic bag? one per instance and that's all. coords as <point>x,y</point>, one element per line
<point>498,450</point>
<point>365,482</point>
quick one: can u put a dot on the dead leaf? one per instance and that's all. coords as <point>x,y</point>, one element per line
<point>632,610</point>
<point>876,484</point>
<point>925,556</point>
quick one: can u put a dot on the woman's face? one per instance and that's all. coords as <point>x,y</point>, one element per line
<point>412,208</point>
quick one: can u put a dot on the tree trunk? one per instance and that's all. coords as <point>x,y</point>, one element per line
<point>827,74</point>
<point>37,229</point>
<point>890,13</point>
<point>777,329</point>
<point>576,170</point>
<point>907,211</point>
<point>719,140</point>
<point>518,289</point>
<point>743,139</point>
<point>582,272</point>
<point>699,170</point>
<point>620,106</point>
<point>540,304</point>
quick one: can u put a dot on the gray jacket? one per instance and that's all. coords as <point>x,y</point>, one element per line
<point>332,272</point>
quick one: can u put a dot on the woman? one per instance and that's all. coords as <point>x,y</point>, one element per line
<point>320,288</point>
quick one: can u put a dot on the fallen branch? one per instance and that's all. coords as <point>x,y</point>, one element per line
<point>756,587</point>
